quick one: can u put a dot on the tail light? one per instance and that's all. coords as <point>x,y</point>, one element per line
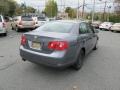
<point>4,24</point>
<point>23,40</point>
<point>20,23</point>
<point>58,45</point>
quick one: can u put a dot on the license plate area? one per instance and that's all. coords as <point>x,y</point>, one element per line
<point>36,45</point>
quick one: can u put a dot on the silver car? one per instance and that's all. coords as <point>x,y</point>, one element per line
<point>41,21</point>
<point>59,44</point>
<point>21,23</point>
<point>115,27</point>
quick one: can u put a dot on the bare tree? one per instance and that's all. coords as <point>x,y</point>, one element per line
<point>117,6</point>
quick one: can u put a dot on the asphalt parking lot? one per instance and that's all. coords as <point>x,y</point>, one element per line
<point>101,70</point>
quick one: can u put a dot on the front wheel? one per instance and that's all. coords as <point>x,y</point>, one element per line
<point>17,29</point>
<point>79,62</point>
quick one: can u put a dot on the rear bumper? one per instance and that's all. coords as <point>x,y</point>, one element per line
<point>115,29</point>
<point>46,59</point>
<point>26,27</point>
<point>107,28</point>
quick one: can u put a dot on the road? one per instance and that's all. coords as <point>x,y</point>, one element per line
<point>101,70</point>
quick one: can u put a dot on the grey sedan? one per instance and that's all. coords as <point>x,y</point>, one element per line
<point>59,44</point>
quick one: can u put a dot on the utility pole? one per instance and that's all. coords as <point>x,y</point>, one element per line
<point>78,10</point>
<point>93,12</point>
<point>108,18</point>
<point>83,7</point>
<point>104,13</point>
<point>25,8</point>
<point>61,5</point>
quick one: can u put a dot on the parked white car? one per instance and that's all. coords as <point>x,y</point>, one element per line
<point>41,21</point>
<point>105,25</point>
<point>3,28</point>
<point>21,23</point>
<point>96,24</point>
<point>115,27</point>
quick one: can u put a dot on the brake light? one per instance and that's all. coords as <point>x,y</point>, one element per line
<point>4,24</point>
<point>20,23</point>
<point>58,45</point>
<point>23,40</point>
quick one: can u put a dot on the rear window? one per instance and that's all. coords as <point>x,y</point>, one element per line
<point>41,19</point>
<point>117,24</point>
<point>61,27</point>
<point>107,23</point>
<point>27,18</point>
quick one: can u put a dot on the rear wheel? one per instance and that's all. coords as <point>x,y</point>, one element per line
<point>12,27</point>
<point>23,59</point>
<point>95,47</point>
<point>79,62</point>
<point>5,34</point>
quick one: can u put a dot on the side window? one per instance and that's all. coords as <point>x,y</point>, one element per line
<point>83,28</point>
<point>90,28</point>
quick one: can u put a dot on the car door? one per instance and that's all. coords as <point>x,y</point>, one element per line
<point>84,37</point>
<point>92,36</point>
<point>1,23</point>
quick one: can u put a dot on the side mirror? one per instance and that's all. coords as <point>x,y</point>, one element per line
<point>96,30</point>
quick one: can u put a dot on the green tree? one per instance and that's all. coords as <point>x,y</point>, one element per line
<point>4,7</point>
<point>7,7</point>
<point>117,6</point>
<point>71,12</point>
<point>51,8</point>
<point>12,6</point>
<point>22,9</point>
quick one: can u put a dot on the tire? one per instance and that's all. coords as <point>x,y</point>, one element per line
<point>12,28</point>
<point>17,29</point>
<point>95,48</point>
<point>111,30</point>
<point>114,31</point>
<point>79,63</point>
<point>5,34</point>
<point>23,59</point>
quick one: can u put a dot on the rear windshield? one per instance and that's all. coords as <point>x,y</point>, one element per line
<point>107,23</point>
<point>117,24</point>
<point>27,18</point>
<point>61,27</point>
<point>41,19</point>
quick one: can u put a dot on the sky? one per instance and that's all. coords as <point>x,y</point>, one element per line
<point>40,4</point>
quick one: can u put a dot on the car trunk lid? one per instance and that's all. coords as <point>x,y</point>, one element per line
<point>38,41</point>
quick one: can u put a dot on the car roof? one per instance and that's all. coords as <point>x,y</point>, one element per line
<point>71,21</point>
